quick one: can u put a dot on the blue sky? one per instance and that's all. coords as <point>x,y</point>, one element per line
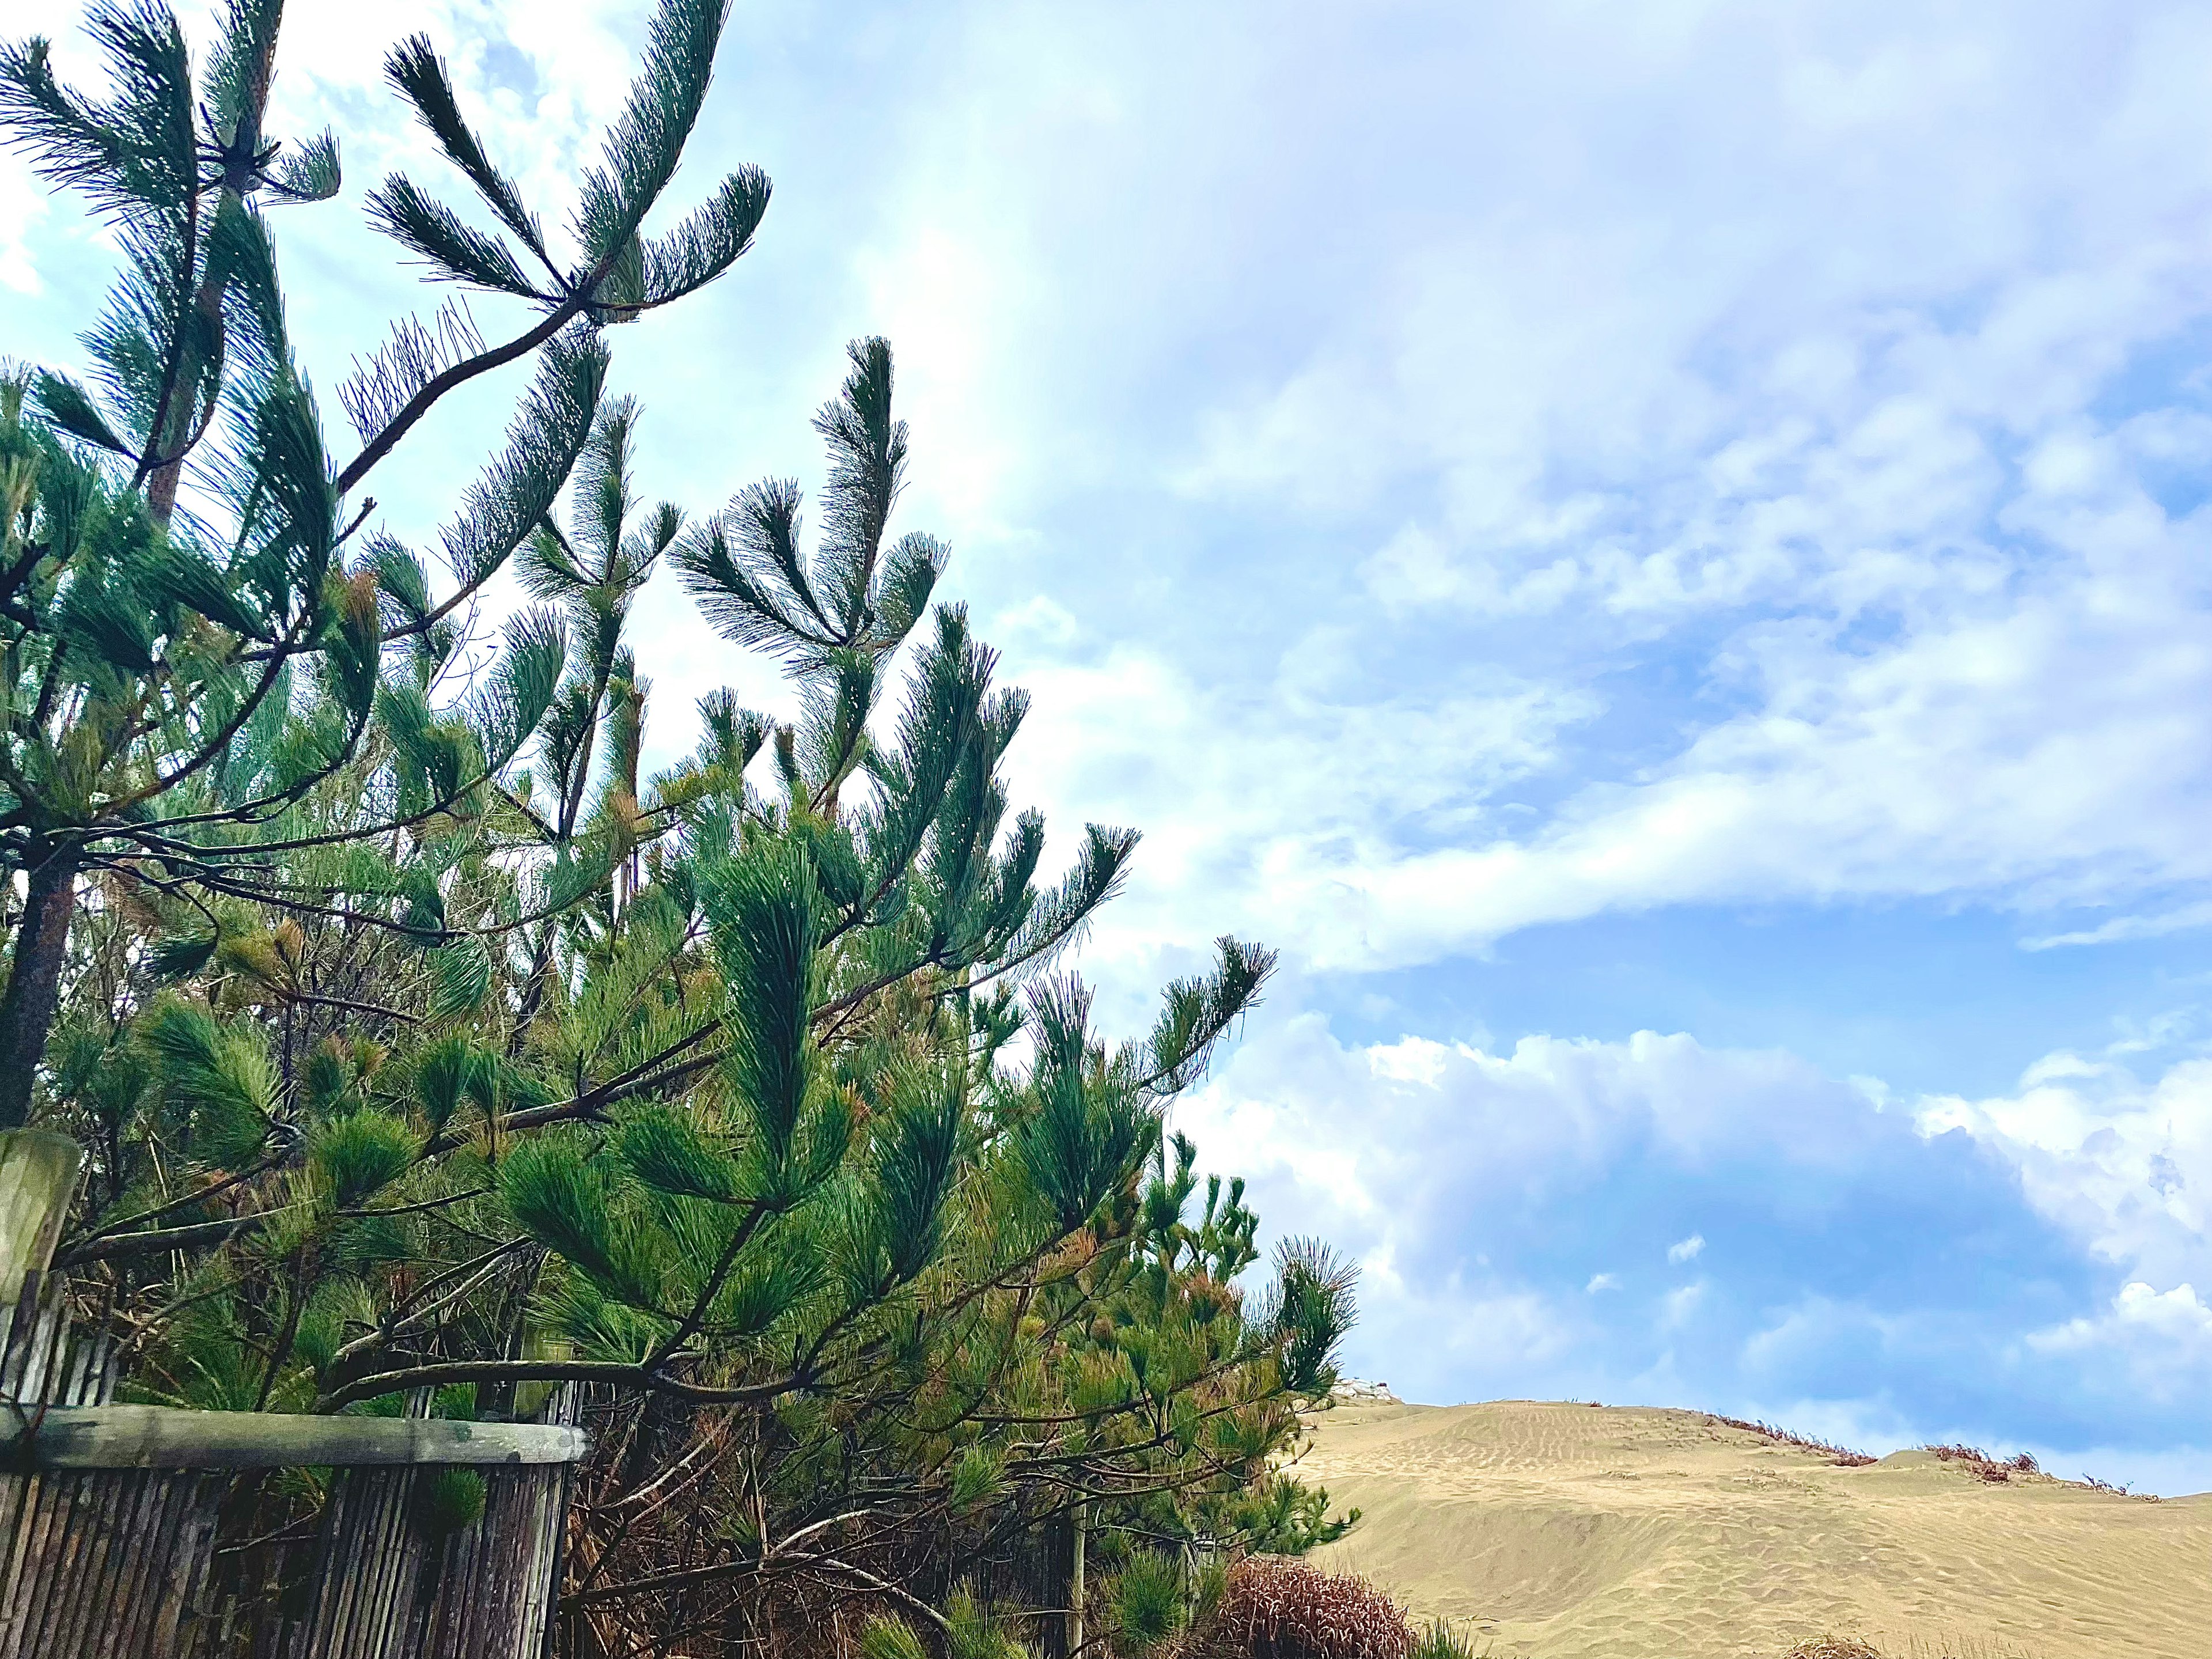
<point>1657,551</point>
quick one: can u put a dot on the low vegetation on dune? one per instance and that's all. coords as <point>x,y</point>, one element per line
<point>1841,1457</point>
<point>1271,1609</point>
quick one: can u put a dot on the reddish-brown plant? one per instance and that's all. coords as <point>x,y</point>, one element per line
<point>1278,1608</point>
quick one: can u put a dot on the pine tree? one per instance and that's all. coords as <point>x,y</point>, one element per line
<point>422,1041</point>
<point>178,684</point>
<point>784,1128</point>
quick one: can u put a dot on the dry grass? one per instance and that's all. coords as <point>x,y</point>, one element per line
<point>1276,1607</point>
<point>1995,1470</point>
<point>1999,1471</point>
<point>1851,1646</point>
<point>2090,1483</point>
<point>1842,1456</point>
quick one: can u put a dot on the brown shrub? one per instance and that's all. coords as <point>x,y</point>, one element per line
<point>1841,1457</point>
<point>2090,1483</point>
<point>1955,1453</point>
<point>1834,1647</point>
<point>1981,1464</point>
<point>1275,1607</point>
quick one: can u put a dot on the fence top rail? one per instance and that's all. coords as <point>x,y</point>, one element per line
<point>167,1437</point>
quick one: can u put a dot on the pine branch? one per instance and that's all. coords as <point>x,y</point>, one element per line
<point>455,251</point>
<point>460,373</point>
<point>409,359</point>
<point>707,242</point>
<point>419,74</point>
<point>647,138</point>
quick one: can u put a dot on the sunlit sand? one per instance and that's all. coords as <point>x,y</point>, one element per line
<point>1578,1532</point>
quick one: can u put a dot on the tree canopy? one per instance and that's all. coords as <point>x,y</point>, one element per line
<point>429,1047</point>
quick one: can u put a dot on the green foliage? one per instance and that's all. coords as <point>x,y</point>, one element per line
<point>448,1498</point>
<point>219,1077</point>
<point>1312,1311</point>
<point>1088,1129</point>
<point>1439,1640</point>
<point>172,689</point>
<point>362,1153</point>
<point>665,1150</point>
<point>887,1638</point>
<point>762,907</point>
<point>449,1073</point>
<point>1283,1516</point>
<point>971,1631</point>
<point>201,1361</point>
<point>980,1474</point>
<point>563,1197</point>
<point>462,973</point>
<point>1146,1603</point>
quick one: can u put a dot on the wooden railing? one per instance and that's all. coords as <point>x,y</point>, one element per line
<point>122,1527</point>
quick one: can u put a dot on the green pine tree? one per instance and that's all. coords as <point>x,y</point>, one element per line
<point>178,681</point>
<point>422,1040</point>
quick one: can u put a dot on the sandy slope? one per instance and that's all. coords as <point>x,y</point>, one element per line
<point>1573,1532</point>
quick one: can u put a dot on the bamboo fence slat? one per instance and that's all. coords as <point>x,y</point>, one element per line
<point>113,1518</point>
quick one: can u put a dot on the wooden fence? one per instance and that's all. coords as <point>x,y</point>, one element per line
<point>123,1529</point>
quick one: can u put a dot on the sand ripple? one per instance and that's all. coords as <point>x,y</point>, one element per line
<point>1578,1532</point>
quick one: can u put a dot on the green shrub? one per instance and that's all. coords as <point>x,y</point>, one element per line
<point>1146,1603</point>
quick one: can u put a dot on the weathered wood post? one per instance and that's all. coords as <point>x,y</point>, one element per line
<point>1075,1583</point>
<point>38,1179</point>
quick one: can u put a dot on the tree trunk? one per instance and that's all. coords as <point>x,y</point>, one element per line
<point>34,980</point>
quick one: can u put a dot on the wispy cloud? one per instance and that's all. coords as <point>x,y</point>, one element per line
<point>2152,925</point>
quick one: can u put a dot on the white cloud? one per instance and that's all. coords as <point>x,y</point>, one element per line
<point>2029,741</point>
<point>1930,768</point>
<point>2152,925</point>
<point>2173,1316</point>
<point>1437,1161</point>
<point>2161,1341</point>
<point>1882,1261</point>
<point>22,205</point>
<point>1813,398</point>
<point>1679,1305</point>
<point>1272,783</point>
<point>2124,1164</point>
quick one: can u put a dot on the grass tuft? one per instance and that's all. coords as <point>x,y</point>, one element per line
<point>1440,1641</point>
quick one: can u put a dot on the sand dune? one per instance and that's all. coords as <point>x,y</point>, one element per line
<point>1578,1532</point>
